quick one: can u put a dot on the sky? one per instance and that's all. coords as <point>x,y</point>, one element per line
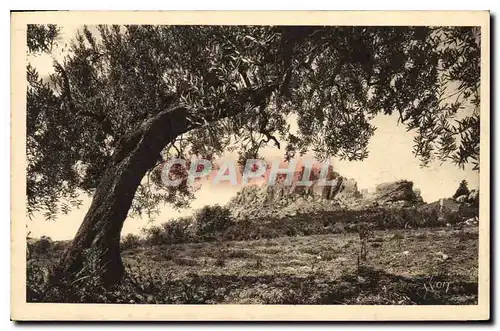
<point>390,159</point>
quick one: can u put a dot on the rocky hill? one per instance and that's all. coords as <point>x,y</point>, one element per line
<point>396,194</point>
<point>282,200</point>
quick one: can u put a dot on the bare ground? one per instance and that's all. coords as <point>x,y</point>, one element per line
<point>425,266</point>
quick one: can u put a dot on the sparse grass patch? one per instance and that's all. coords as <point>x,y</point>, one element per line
<point>272,250</point>
<point>163,255</point>
<point>465,235</point>
<point>287,272</point>
<point>240,254</point>
<point>310,250</point>
<point>220,261</point>
<point>421,236</point>
<point>185,261</point>
<point>397,236</point>
<point>270,242</point>
<point>329,255</point>
<point>257,263</point>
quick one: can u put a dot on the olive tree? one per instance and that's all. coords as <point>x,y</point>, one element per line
<point>126,98</point>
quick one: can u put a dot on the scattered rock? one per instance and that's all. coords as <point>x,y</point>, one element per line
<point>442,256</point>
<point>400,190</point>
<point>348,190</point>
<point>397,194</point>
<point>362,280</point>
<point>473,197</point>
<point>471,221</point>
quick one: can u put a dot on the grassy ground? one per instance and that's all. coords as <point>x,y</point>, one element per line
<point>425,266</point>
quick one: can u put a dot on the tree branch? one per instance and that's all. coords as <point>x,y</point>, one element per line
<point>100,118</point>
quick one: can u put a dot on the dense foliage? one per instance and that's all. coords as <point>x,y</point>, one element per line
<point>333,80</point>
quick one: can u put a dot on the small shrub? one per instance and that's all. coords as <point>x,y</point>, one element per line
<point>291,231</point>
<point>464,235</point>
<point>239,230</point>
<point>41,246</point>
<point>328,255</point>
<point>259,263</point>
<point>174,231</point>
<point>185,261</point>
<point>36,281</point>
<point>85,286</point>
<point>429,218</point>
<point>154,235</point>
<point>269,233</point>
<point>178,231</point>
<point>130,241</point>
<point>220,262</point>
<point>220,258</point>
<point>213,221</point>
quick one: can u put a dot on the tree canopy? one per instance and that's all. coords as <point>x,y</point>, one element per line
<point>239,85</point>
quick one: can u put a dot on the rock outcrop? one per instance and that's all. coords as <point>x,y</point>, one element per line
<point>396,194</point>
<point>283,199</point>
<point>401,190</point>
<point>269,201</point>
<point>348,190</point>
<point>461,199</point>
<point>338,187</point>
<point>473,198</point>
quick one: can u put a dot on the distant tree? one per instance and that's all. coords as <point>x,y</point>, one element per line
<point>127,97</point>
<point>418,195</point>
<point>462,189</point>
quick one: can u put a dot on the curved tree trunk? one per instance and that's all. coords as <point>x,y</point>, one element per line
<point>135,155</point>
<point>100,231</point>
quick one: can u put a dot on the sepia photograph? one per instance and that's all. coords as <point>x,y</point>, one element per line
<point>283,162</point>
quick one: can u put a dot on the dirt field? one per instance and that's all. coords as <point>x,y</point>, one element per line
<point>426,266</point>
